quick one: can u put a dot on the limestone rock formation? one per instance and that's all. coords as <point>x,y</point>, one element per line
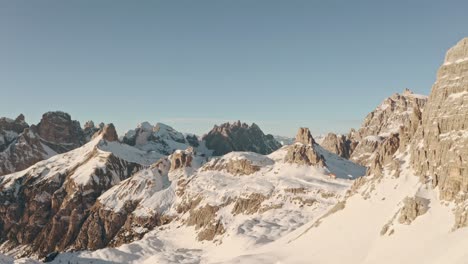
<point>394,113</point>
<point>440,146</point>
<point>384,155</point>
<point>304,152</point>
<point>109,133</point>
<point>239,137</point>
<point>338,144</point>
<point>60,132</point>
<point>22,146</point>
<point>304,136</point>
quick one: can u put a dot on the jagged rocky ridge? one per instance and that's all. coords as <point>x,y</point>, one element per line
<point>393,114</point>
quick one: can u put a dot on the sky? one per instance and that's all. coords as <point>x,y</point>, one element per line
<point>193,64</point>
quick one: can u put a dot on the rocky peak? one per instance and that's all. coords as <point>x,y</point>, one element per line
<point>304,136</point>
<point>391,114</point>
<point>304,151</point>
<point>394,113</point>
<point>58,128</point>
<point>23,145</point>
<point>239,136</point>
<point>20,119</point>
<point>109,133</point>
<point>17,125</point>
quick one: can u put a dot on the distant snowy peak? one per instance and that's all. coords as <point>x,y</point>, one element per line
<point>161,139</point>
<point>284,140</point>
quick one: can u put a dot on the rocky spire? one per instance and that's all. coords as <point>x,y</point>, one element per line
<point>20,118</point>
<point>109,133</point>
<point>303,136</point>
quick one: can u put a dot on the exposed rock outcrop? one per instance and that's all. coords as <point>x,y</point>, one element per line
<point>60,132</point>
<point>181,159</point>
<point>303,152</point>
<point>304,136</point>
<point>383,156</point>
<point>440,146</point>
<point>239,137</point>
<point>109,133</point>
<point>22,146</point>
<point>239,163</point>
<point>394,113</point>
<point>338,144</point>
<point>412,208</point>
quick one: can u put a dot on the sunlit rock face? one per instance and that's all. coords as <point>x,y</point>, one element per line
<point>393,114</point>
<point>440,146</point>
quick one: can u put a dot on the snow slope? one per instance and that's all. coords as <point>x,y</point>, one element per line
<point>353,234</point>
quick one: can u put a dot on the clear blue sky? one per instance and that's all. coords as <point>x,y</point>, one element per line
<point>191,64</point>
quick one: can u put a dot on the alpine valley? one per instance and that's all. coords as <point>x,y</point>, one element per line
<point>394,190</point>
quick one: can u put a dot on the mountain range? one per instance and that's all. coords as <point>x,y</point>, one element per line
<point>394,190</point>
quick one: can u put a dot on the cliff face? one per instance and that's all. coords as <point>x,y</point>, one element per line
<point>440,146</point>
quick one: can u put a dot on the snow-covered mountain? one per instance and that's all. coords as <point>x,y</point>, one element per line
<point>109,196</point>
<point>162,139</point>
<point>412,207</point>
<point>112,202</point>
<point>22,145</point>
